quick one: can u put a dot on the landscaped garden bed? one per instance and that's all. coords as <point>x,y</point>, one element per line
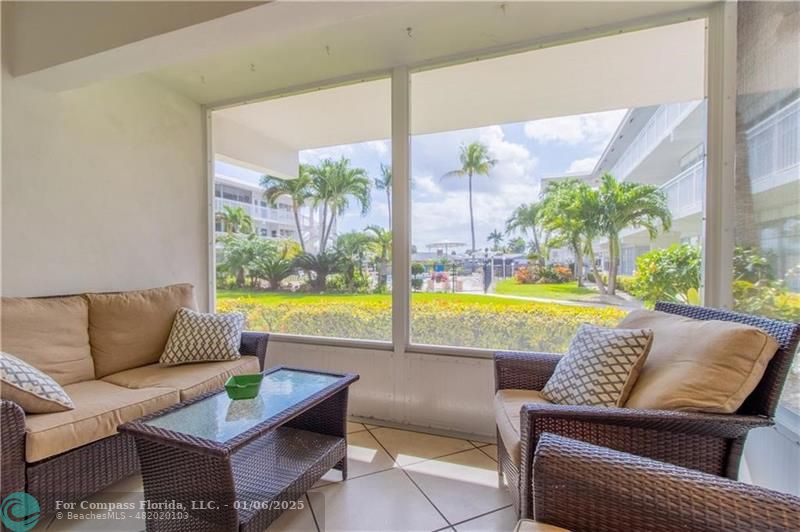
<point>439,319</point>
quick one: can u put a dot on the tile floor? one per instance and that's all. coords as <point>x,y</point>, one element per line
<point>398,480</point>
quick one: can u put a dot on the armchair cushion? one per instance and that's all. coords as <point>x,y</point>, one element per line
<point>507,407</point>
<point>599,368</point>
<point>696,365</point>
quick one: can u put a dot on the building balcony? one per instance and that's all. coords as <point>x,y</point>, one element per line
<point>774,149</point>
<point>660,126</point>
<point>686,191</point>
<point>268,214</point>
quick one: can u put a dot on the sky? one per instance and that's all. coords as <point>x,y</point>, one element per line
<point>525,151</point>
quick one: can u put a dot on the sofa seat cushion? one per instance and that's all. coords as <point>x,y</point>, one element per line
<point>696,365</point>
<point>190,380</point>
<point>130,329</point>
<point>507,405</point>
<point>529,525</point>
<point>51,334</point>
<point>99,408</point>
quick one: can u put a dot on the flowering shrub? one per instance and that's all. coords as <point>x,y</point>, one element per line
<point>535,274</point>
<point>440,277</point>
<point>529,327</point>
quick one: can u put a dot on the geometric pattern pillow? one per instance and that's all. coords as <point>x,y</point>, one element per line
<point>600,367</point>
<point>33,390</point>
<point>198,337</point>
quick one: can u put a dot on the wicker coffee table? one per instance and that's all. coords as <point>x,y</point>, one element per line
<point>217,464</point>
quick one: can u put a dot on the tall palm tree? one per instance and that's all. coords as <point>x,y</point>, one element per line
<point>628,204</point>
<point>334,185</point>
<point>298,190</point>
<point>525,218</point>
<point>496,238</point>
<point>382,248</point>
<point>384,182</point>
<point>235,220</point>
<point>475,160</point>
<point>564,210</point>
<point>352,249</point>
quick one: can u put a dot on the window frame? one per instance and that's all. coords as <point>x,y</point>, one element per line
<point>717,232</point>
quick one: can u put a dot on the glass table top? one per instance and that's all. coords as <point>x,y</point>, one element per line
<point>219,418</point>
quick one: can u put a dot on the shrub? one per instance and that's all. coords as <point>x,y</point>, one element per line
<point>416,284</point>
<point>534,326</point>
<point>417,269</point>
<point>667,274</point>
<point>534,274</point>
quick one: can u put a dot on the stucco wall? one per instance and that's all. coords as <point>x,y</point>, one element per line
<point>103,189</point>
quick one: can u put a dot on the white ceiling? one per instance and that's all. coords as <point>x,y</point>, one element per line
<point>637,69</point>
<point>375,36</point>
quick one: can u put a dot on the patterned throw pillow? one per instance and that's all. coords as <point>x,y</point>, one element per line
<point>31,389</point>
<point>198,337</point>
<point>600,367</point>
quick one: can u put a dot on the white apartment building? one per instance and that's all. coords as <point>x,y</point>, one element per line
<point>269,222</point>
<point>665,146</point>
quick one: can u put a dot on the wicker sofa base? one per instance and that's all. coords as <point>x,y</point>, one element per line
<point>79,473</point>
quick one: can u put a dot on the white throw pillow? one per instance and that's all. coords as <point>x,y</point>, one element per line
<point>198,337</point>
<point>33,390</point>
<point>600,367</point>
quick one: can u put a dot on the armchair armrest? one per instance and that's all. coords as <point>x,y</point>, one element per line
<point>12,448</point>
<point>535,416</point>
<point>585,487</point>
<point>255,344</point>
<point>523,371</point>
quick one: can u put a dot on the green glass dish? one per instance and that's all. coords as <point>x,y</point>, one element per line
<point>244,386</point>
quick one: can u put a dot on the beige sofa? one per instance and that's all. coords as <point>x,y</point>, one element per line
<point>103,349</point>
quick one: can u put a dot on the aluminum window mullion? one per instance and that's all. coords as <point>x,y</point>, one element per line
<point>718,244</point>
<point>401,209</point>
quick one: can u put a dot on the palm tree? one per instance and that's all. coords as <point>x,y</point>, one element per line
<point>298,190</point>
<point>274,268</point>
<point>564,210</point>
<point>475,160</point>
<point>496,238</point>
<point>334,184</point>
<point>321,265</point>
<point>238,254</point>
<point>352,250</point>
<point>526,218</point>
<point>628,204</point>
<point>384,182</point>
<point>382,248</point>
<point>235,220</point>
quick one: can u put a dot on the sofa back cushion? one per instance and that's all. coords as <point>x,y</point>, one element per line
<point>50,334</point>
<point>130,329</point>
<point>698,365</point>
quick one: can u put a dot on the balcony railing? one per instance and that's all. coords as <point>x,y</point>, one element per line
<point>256,212</point>
<point>774,149</point>
<point>686,191</point>
<point>660,125</point>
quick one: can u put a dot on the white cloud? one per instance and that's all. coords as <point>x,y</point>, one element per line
<point>595,128</point>
<point>514,161</point>
<point>582,165</point>
<point>381,147</point>
<point>334,152</point>
<point>426,185</point>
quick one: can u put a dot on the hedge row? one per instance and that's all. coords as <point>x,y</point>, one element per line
<point>533,327</point>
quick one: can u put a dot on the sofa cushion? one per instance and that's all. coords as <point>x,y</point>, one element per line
<point>696,365</point>
<point>34,391</point>
<point>130,329</point>
<point>99,408</point>
<point>190,380</point>
<point>507,405</point>
<point>50,334</point>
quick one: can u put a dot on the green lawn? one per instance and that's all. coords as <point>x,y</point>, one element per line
<point>279,298</point>
<point>568,291</point>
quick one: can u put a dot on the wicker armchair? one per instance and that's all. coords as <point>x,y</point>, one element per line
<point>584,487</point>
<point>711,443</point>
